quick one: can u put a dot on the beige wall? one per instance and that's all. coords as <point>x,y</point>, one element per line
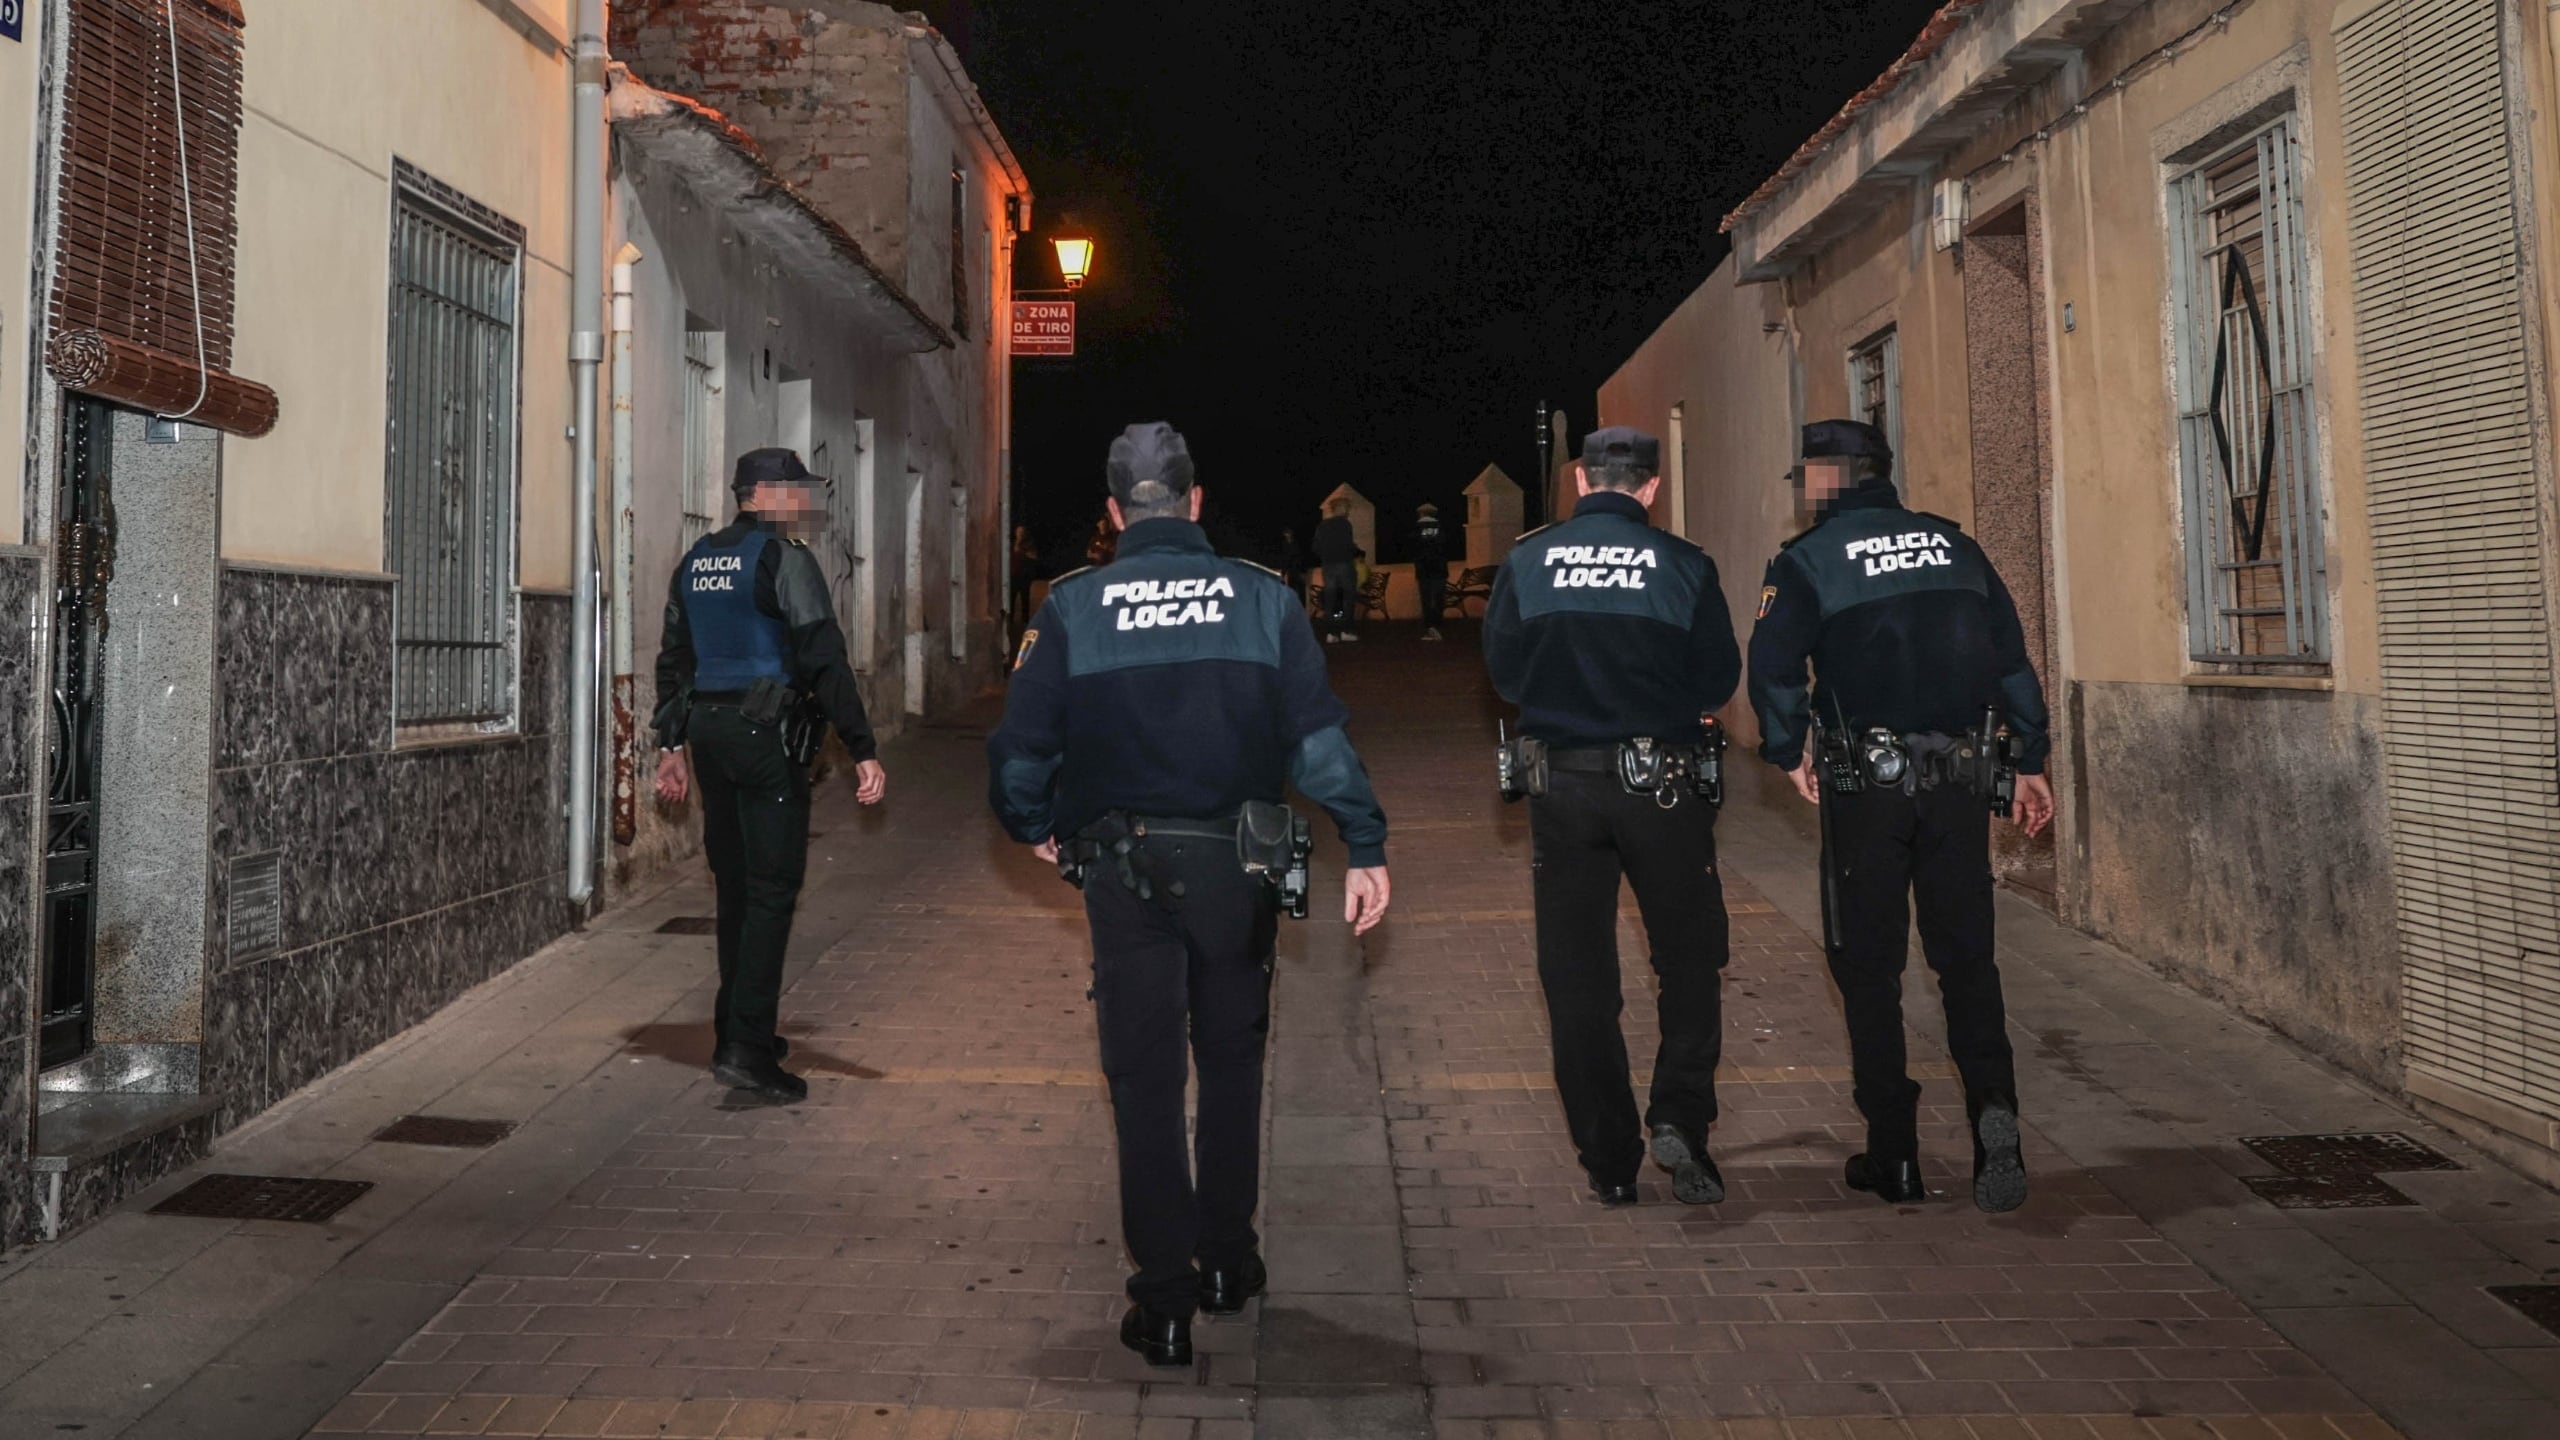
<point>19,126</point>
<point>333,92</point>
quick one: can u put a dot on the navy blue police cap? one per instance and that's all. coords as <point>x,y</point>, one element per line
<point>1152,453</point>
<point>1845,440</point>
<point>770,466</point>
<point>1622,445</point>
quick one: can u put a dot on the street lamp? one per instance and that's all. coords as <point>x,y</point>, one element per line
<point>1075,259</point>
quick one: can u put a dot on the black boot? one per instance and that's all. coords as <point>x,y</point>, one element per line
<point>1999,1169</point>
<point>741,1067</point>
<point>1896,1182</point>
<point>1163,1340</point>
<point>1615,1194</point>
<point>1225,1288</point>
<point>1683,1152</point>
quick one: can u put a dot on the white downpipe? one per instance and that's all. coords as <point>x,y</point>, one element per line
<point>586,351</point>
<point>626,782</point>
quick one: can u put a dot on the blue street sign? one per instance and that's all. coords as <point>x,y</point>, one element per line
<point>13,18</point>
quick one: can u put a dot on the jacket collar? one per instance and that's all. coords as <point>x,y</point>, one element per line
<point>1167,536</point>
<point>1612,502</point>
<point>1871,495</point>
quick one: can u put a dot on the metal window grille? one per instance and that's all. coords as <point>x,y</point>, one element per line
<point>450,471</point>
<point>702,428</point>
<point>960,252</point>
<point>1875,386</point>
<point>2257,581</point>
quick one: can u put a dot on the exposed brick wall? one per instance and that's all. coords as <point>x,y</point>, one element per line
<point>820,84</point>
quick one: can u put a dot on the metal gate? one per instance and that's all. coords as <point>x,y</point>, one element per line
<point>85,560</point>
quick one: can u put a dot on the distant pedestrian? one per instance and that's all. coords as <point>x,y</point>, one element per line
<point>1292,565</point>
<point>1104,543</point>
<point>1613,639</point>
<point>1338,551</point>
<point>1430,569</point>
<point>750,659</point>
<point>1159,708</point>
<point>1025,570</point>
<point>1918,656</point>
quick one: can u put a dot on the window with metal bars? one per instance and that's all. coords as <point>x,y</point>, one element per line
<point>705,356</point>
<point>2248,446</point>
<point>960,252</point>
<point>450,466</point>
<point>1875,387</point>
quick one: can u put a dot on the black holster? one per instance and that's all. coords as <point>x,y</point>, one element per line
<point>1519,765</point>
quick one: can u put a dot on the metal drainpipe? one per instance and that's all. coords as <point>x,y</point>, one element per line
<point>626,785</point>
<point>586,351</point>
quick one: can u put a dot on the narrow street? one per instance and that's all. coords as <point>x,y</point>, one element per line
<point>928,1248</point>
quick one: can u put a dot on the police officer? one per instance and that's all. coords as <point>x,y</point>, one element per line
<point>1912,635</point>
<point>1613,638</point>
<point>748,616</point>
<point>1430,568</point>
<point>1337,549</point>
<point>1152,700</point>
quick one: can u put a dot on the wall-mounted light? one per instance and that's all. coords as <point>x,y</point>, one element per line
<point>1075,259</point>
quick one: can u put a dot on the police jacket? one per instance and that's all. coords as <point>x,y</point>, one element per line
<point>1429,552</point>
<point>1174,683</point>
<point>1603,628</point>
<point>1334,540</point>
<point>1906,623</point>
<point>747,603</point>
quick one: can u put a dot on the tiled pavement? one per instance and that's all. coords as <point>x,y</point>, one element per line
<point>928,1248</point>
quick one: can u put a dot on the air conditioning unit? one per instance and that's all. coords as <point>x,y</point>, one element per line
<point>1950,207</point>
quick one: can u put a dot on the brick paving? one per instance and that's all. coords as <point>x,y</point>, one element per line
<point>928,1248</point>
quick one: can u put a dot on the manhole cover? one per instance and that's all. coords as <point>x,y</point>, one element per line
<point>2537,1303</point>
<point>2324,1192</point>
<point>690,925</point>
<point>263,1197</point>
<point>2376,1154</point>
<point>446,1131</point>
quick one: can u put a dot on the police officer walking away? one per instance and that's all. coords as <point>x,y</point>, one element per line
<point>1159,705</point>
<point>1337,550</point>
<point>750,659</point>
<point>1430,569</point>
<point>1613,639</point>
<point>1919,659</point>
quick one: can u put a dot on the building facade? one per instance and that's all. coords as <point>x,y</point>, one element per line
<point>286,681</point>
<point>2204,316</point>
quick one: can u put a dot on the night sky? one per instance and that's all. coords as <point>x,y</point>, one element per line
<point>1360,242</point>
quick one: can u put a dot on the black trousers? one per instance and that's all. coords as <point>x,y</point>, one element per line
<point>1179,981</point>
<point>1434,588</point>
<point>1885,847</point>
<point>755,828</point>
<point>1341,598</point>
<point>1586,832</point>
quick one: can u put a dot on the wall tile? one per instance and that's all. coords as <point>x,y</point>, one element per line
<point>17,923</point>
<point>235,1041</point>
<point>301,999</point>
<point>19,592</point>
<point>245,667</point>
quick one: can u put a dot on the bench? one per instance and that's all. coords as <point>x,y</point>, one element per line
<point>1473,583</point>
<point>1373,598</point>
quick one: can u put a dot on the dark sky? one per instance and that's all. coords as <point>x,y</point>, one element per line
<point>1361,241</point>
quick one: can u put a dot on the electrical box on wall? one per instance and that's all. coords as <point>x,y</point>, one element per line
<point>1950,209</point>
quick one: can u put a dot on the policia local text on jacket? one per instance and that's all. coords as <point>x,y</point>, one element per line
<point>748,605</point>
<point>1603,629</point>
<point>1151,699</point>
<point>1910,631</point>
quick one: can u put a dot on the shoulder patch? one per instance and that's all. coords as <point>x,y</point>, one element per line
<point>1768,597</point>
<point>1022,656</point>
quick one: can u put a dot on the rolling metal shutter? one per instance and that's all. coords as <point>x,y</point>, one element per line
<point>2471,761</point>
<point>141,304</point>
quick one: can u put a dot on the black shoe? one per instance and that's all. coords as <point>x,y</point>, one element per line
<point>1896,1182</point>
<point>740,1068</point>
<point>1225,1288</point>
<point>781,1048</point>
<point>1163,1339</point>
<point>1999,1170</point>
<point>1617,1196</point>
<point>1683,1152</point>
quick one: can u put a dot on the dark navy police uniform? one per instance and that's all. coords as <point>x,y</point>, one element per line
<point>747,604</point>
<point>1603,629</point>
<point>1430,569</point>
<point>1160,693</point>
<point>1910,630</point>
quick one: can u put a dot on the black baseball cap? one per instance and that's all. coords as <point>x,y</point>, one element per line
<point>772,465</point>
<point>1152,453</point>
<point>1845,440</point>
<point>1622,445</point>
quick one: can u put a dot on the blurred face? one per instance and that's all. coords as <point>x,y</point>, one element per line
<point>799,511</point>
<point>1822,479</point>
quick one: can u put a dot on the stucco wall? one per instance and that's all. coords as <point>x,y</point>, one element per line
<point>334,92</point>
<point>19,301</point>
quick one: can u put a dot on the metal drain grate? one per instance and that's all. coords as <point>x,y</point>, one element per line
<point>446,1131</point>
<point>2324,1192</point>
<point>2367,1154</point>
<point>263,1197</point>
<point>690,925</point>
<point>2537,1303</point>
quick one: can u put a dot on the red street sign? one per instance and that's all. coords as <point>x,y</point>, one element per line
<point>1044,327</point>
